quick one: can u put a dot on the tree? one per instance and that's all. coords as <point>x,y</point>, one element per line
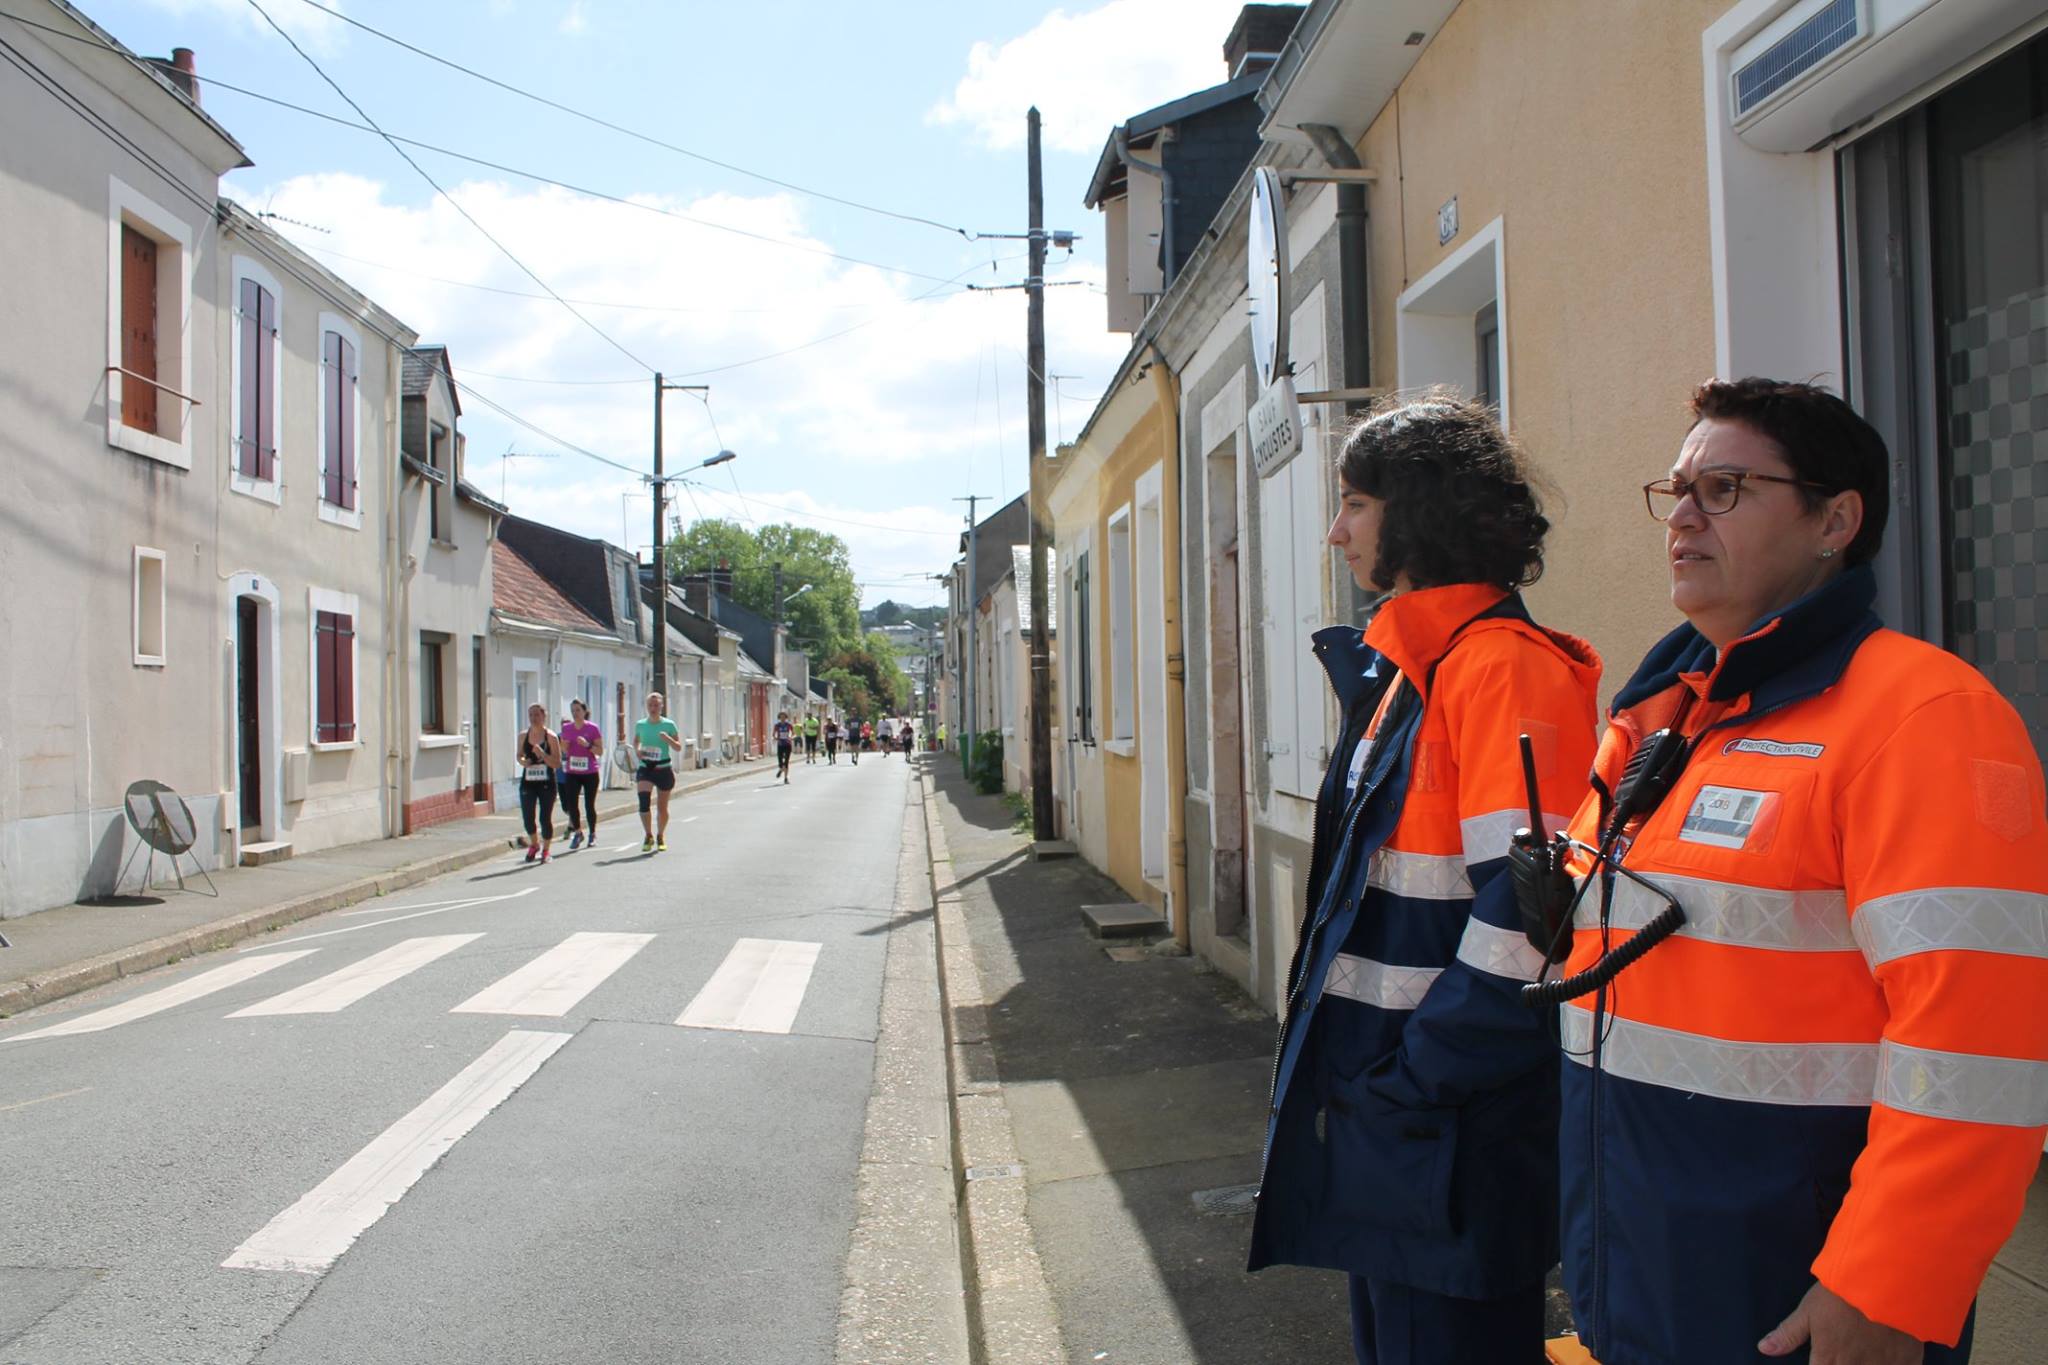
<point>871,669</point>
<point>888,614</point>
<point>826,618</point>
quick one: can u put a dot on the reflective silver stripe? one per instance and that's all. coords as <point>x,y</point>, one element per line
<point>1762,1073</point>
<point>1502,952</point>
<point>1378,983</point>
<point>1423,876</point>
<point>1963,1085</point>
<point>1487,836</point>
<point>1725,912</point>
<point>1972,918</point>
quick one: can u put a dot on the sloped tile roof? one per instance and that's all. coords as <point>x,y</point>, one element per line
<point>517,589</point>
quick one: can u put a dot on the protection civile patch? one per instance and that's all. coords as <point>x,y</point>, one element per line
<point>1726,817</point>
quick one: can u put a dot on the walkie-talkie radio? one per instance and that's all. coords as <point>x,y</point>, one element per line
<point>1543,888</point>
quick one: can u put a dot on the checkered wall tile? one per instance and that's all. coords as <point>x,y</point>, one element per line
<point>1998,504</point>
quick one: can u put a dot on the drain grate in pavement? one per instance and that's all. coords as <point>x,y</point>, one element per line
<point>1227,1202</point>
<point>1007,1171</point>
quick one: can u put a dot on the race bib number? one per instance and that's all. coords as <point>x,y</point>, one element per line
<point>536,772</point>
<point>1728,817</point>
<point>652,753</point>
<point>579,765</point>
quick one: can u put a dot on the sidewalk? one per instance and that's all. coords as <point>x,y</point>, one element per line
<point>73,948</point>
<point>1117,1092</point>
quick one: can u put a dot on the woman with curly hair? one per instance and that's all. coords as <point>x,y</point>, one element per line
<point>1412,1137</point>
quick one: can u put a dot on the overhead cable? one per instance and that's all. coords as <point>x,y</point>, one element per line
<point>453,203</point>
<point>635,133</point>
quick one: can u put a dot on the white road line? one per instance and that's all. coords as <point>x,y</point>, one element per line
<point>623,847</point>
<point>340,989</point>
<point>757,989</point>
<point>43,1099</point>
<point>687,819</point>
<point>455,904</point>
<point>553,982</point>
<point>192,988</point>
<point>400,919</point>
<point>310,1236</point>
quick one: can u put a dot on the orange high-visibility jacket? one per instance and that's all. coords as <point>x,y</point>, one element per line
<point>1838,1068</point>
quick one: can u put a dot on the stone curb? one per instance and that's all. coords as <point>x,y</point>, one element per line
<point>16,996</point>
<point>1010,1303</point>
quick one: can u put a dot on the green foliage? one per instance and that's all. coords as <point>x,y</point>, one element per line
<point>869,671</point>
<point>892,613</point>
<point>986,771</point>
<point>888,614</point>
<point>827,617</point>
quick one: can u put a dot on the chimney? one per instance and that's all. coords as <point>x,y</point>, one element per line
<point>1256,38</point>
<point>180,69</point>
<point>698,597</point>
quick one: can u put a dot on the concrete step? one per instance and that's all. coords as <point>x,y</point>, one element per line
<point>275,851</point>
<point>1046,850</point>
<point>1126,919</point>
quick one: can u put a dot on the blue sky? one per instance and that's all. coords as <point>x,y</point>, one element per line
<point>916,107</point>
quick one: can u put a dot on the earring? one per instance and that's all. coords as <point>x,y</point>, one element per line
<point>1827,554</point>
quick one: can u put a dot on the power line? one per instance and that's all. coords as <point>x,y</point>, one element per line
<point>820,516</point>
<point>648,138</point>
<point>362,113</point>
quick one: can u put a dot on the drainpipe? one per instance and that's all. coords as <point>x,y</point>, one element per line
<point>1157,169</point>
<point>1167,394</point>
<point>1354,319</point>
<point>392,715</point>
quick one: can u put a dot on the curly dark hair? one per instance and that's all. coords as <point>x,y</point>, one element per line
<point>1459,505</point>
<point>1824,440</point>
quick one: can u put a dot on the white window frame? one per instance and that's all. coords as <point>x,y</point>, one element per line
<point>1435,318</point>
<point>1295,567</point>
<point>263,490</point>
<point>1119,656</point>
<point>143,658</point>
<point>350,519</point>
<point>174,237</point>
<point>346,604</point>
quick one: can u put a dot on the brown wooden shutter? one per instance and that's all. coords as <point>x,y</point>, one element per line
<point>248,363</point>
<point>323,675</point>
<point>138,329</point>
<point>344,677</point>
<point>348,423</point>
<point>267,357</point>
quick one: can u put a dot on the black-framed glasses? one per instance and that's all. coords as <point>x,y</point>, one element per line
<point>1715,492</point>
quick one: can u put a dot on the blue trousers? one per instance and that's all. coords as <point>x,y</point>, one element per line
<point>1392,1324</point>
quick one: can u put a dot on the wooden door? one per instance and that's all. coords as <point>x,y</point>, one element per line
<point>138,330</point>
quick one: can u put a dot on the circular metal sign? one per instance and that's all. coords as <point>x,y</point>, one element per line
<point>1266,276</point>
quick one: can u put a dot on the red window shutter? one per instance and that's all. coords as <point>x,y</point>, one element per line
<point>138,329</point>
<point>266,389</point>
<point>344,677</point>
<point>348,424</point>
<point>323,675</point>
<point>248,363</point>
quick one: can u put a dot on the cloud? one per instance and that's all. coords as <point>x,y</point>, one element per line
<point>321,33</point>
<point>920,397</point>
<point>575,19</point>
<point>1089,72</point>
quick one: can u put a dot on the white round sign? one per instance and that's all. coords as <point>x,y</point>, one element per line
<point>1266,276</point>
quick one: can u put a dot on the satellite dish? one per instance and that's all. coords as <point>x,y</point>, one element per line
<point>1266,276</point>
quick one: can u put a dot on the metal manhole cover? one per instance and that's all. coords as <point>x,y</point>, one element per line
<point>1227,1202</point>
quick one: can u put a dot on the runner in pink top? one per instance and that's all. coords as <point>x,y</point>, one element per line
<point>582,762</point>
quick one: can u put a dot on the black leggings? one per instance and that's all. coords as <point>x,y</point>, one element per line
<point>587,784</point>
<point>542,795</point>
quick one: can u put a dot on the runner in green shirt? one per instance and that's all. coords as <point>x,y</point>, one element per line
<point>656,742</point>
<point>811,738</point>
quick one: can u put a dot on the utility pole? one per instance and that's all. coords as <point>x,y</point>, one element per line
<point>660,540</point>
<point>1034,378</point>
<point>968,665</point>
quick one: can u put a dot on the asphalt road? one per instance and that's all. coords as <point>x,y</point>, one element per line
<point>605,1110</point>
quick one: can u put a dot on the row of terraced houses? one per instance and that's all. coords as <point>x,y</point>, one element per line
<point>243,553</point>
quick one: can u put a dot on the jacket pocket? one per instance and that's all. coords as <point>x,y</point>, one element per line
<point>1388,1167</point>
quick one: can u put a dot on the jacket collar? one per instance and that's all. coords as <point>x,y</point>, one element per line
<point>1796,653</point>
<point>1412,631</point>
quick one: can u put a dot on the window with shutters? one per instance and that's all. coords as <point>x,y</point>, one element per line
<point>1084,651</point>
<point>148,377</point>
<point>340,430</point>
<point>434,683</point>
<point>1119,664</point>
<point>334,668</point>
<point>258,359</point>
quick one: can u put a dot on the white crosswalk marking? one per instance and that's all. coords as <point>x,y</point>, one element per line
<point>156,1002</point>
<point>338,990</point>
<point>310,1236</point>
<point>757,989</point>
<point>552,983</point>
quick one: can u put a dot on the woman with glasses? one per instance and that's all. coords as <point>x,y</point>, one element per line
<point>1806,1119</point>
<point>1413,1139</point>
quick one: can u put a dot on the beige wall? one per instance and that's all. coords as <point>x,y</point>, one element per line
<point>1578,123</point>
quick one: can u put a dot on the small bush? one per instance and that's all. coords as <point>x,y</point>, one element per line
<point>986,771</point>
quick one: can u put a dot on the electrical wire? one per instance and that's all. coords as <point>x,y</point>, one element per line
<point>647,138</point>
<point>820,516</point>
<point>506,251</point>
<point>535,176</point>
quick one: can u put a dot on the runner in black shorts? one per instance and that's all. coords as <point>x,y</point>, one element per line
<point>657,741</point>
<point>785,744</point>
<point>540,757</point>
<point>831,741</point>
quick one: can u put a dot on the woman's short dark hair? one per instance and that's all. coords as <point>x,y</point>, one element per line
<point>1822,438</point>
<point>1459,505</point>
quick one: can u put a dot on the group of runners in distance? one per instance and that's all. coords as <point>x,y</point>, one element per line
<point>567,765</point>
